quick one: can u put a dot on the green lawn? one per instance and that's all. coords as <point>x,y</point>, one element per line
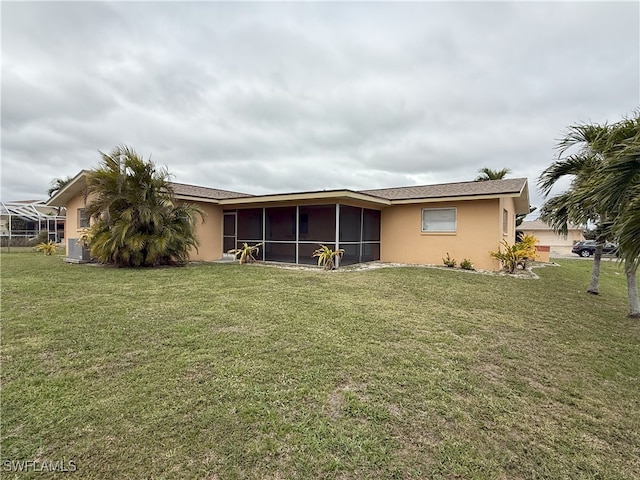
<point>224,371</point>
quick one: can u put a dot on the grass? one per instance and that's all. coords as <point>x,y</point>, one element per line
<point>249,372</point>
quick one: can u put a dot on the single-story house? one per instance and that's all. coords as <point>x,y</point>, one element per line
<point>545,234</point>
<point>417,224</point>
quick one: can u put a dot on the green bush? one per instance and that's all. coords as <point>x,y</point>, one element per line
<point>517,254</point>
<point>247,253</point>
<point>466,264</point>
<point>449,262</point>
<point>48,248</point>
<point>327,257</point>
<point>42,237</point>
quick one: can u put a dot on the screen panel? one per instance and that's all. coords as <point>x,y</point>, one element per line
<point>250,224</point>
<point>371,226</point>
<point>317,223</point>
<point>280,252</point>
<point>281,223</point>
<point>350,223</point>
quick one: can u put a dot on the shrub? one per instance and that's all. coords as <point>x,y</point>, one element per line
<point>326,256</point>
<point>449,262</point>
<point>42,237</point>
<point>84,240</point>
<point>517,254</point>
<point>528,245</point>
<point>48,248</point>
<point>16,242</point>
<point>466,264</point>
<point>246,253</point>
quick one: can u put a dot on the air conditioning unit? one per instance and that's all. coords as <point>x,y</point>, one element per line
<point>77,253</point>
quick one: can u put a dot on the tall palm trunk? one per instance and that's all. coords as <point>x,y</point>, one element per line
<point>632,289</point>
<point>594,288</point>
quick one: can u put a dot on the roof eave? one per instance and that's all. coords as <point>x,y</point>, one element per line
<point>192,198</point>
<point>493,196</point>
<point>76,185</point>
<point>521,200</point>
<point>294,197</point>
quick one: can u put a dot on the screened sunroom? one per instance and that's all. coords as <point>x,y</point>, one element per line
<point>291,233</point>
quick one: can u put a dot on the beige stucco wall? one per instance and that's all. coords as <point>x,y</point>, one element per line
<point>72,228</point>
<point>507,203</point>
<point>208,233</point>
<point>479,230</point>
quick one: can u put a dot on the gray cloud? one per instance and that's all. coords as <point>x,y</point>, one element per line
<point>275,97</point>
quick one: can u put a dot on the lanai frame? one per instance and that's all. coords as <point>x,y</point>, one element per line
<point>290,233</point>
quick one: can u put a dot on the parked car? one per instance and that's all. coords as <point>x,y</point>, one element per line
<point>586,248</point>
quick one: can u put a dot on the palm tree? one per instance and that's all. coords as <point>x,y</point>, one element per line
<point>619,190</point>
<point>620,185</point>
<point>488,174</point>
<point>605,189</point>
<point>57,184</point>
<point>136,220</point>
<point>521,216</point>
<point>569,207</point>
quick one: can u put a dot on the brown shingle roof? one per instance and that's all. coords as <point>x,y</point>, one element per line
<point>182,189</point>
<point>460,189</point>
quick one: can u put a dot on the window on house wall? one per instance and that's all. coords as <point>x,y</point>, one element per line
<point>83,219</point>
<point>505,221</point>
<point>439,220</point>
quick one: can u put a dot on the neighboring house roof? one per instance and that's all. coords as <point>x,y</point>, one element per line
<point>540,225</point>
<point>515,187</point>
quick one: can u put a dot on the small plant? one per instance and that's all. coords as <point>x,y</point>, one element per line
<point>48,248</point>
<point>85,237</point>
<point>326,256</point>
<point>517,254</point>
<point>42,237</point>
<point>528,245</point>
<point>466,264</point>
<point>247,253</point>
<point>449,262</point>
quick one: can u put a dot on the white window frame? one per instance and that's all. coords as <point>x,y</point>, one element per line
<point>455,220</point>
<point>505,221</point>
<point>82,216</point>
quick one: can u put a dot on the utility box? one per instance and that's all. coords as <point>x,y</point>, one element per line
<point>542,253</point>
<point>77,253</point>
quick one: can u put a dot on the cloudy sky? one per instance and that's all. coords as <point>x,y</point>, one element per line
<point>274,97</point>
